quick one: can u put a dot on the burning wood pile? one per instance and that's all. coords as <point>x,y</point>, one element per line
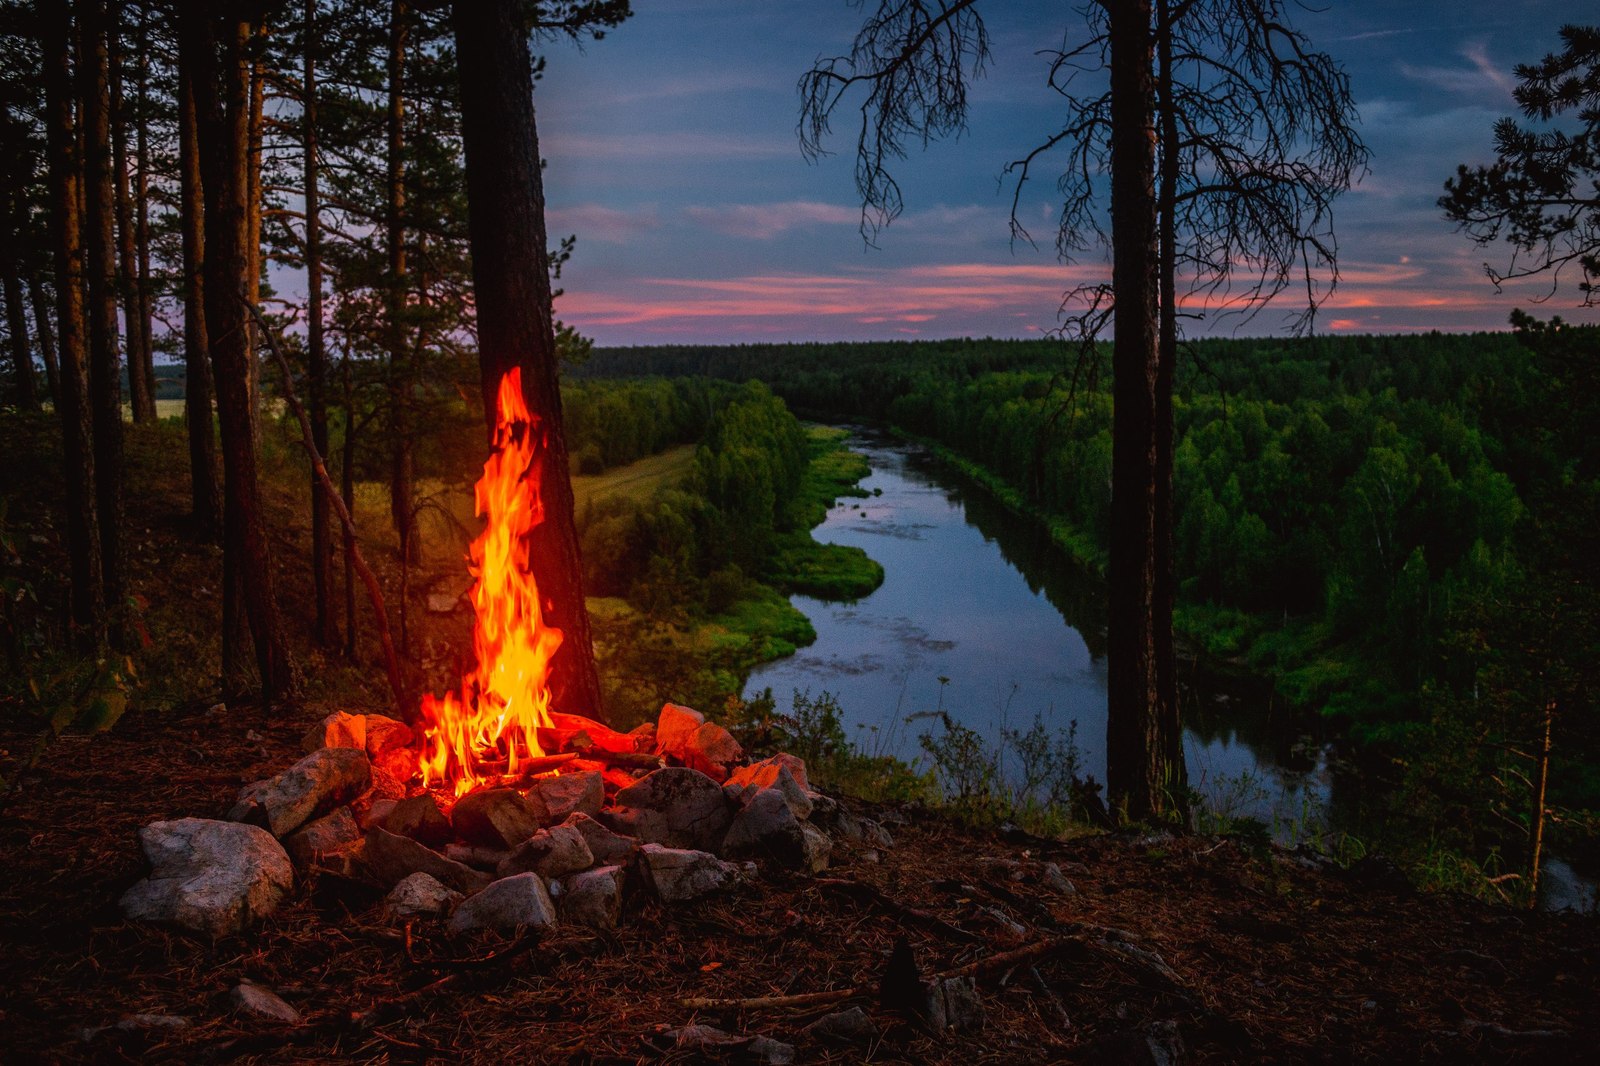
<point>671,811</point>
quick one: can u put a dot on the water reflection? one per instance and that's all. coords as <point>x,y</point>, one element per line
<point>982,615</point>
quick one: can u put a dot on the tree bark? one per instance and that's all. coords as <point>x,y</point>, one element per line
<point>105,385</point>
<point>347,493</point>
<point>511,283</point>
<point>224,109</point>
<point>140,387</point>
<point>199,391</point>
<point>72,401</point>
<point>316,350</point>
<point>252,246</point>
<point>46,337</point>
<point>140,323</point>
<point>1143,780</point>
<point>401,456</point>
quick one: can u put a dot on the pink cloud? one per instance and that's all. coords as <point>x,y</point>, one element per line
<point>765,221</point>
<point>601,223</point>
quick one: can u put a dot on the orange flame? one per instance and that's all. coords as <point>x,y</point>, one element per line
<point>493,727</point>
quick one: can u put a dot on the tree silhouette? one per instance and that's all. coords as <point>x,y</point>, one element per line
<point>1542,193</point>
<point>1224,139</point>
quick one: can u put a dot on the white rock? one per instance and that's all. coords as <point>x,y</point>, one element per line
<point>509,904</point>
<point>209,876</point>
<point>675,726</point>
<point>593,897</point>
<point>675,806</point>
<point>319,782</point>
<point>323,836</point>
<point>766,828</point>
<point>337,730</point>
<point>680,875</point>
<point>555,799</point>
<point>745,781</point>
<point>420,896</point>
<point>550,853</point>
<point>391,858</point>
<point>818,848</point>
<point>606,847</point>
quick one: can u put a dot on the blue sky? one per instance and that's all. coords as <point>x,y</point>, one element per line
<point>673,156</point>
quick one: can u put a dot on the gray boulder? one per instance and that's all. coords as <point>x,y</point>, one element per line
<point>209,876</point>
<point>679,875</point>
<point>555,799</point>
<point>391,857</point>
<point>818,849</point>
<point>323,837</point>
<point>607,847</point>
<point>746,781</point>
<point>674,728</point>
<point>509,904</point>
<point>417,817</point>
<point>338,730</point>
<point>317,783</point>
<point>767,829</point>
<point>594,897</point>
<point>384,735</point>
<point>420,896</point>
<point>712,750</point>
<point>550,853</point>
<point>675,806</point>
<point>495,818</point>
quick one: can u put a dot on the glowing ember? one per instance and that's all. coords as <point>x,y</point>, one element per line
<point>491,729</point>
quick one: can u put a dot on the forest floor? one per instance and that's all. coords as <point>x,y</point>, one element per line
<point>1231,952</point>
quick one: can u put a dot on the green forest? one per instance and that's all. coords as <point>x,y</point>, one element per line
<point>1390,529</point>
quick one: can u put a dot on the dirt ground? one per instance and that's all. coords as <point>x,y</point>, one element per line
<point>1169,949</point>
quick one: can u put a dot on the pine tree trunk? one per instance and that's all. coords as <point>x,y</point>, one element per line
<point>140,387</point>
<point>105,385</point>
<point>72,400</point>
<point>224,109</point>
<point>258,93</point>
<point>140,322</point>
<point>46,337</point>
<point>199,391</point>
<point>316,351</point>
<point>347,492</point>
<point>511,285</point>
<point>401,459</point>
<point>1142,779</point>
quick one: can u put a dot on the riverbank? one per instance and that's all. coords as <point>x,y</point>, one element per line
<point>700,654</point>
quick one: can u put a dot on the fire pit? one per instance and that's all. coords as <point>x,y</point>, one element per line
<point>497,811</point>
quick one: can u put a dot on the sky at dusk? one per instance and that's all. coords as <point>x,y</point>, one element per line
<point>673,157</point>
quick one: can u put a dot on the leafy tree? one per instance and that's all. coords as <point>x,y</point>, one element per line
<point>1542,193</point>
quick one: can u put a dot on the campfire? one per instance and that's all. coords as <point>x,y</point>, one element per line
<point>499,812</point>
<point>492,729</point>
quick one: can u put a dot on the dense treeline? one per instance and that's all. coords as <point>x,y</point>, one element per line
<point>1363,518</point>
<point>741,513</point>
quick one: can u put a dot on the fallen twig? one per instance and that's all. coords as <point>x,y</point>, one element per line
<point>804,999</point>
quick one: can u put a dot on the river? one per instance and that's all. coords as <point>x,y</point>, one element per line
<point>981,616</point>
